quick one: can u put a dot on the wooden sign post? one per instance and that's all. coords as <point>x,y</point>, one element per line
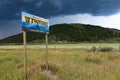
<point>25,55</point>
<point>46,38</point>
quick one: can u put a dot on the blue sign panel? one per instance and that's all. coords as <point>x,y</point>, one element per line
<point>34,23</point>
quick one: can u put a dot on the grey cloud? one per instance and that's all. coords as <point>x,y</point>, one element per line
<point>94,7</point>
<point>9,28</point>
<point>10,9</point>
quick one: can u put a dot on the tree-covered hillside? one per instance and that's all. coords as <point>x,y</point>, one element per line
<point>70,33</point>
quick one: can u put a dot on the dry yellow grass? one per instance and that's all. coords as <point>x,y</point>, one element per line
<point>67,64</point>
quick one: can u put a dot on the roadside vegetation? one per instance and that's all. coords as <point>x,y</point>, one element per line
<point>65,63</point>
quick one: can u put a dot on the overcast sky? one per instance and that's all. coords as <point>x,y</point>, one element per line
<point>105,13</point>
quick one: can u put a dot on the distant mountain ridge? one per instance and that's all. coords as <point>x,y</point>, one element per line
<point>70,33</point>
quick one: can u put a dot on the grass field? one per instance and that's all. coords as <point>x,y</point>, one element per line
<point>79,45</point>
<point>71,63</point>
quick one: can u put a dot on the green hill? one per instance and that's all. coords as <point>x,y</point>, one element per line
<point>70,33</point>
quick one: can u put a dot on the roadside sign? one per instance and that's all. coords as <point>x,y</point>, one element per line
<point>34,23</point>
<point>37,24</point>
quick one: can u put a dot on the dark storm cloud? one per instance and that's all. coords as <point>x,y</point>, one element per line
<point>10,9</point>
<point>94,7</point>
<point>8,28</point>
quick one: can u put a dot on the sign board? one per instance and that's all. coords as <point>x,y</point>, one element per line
<point>34,23</point>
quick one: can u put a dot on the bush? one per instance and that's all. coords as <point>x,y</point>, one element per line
<point>105,49</point>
